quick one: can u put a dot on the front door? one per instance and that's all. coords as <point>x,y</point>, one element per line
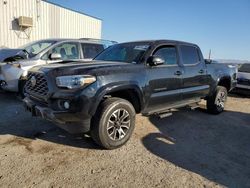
<point>67,50</point>
<point>165,81</point>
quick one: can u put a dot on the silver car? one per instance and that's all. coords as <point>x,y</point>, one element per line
<point>15,63</point>
<point>243,77</point>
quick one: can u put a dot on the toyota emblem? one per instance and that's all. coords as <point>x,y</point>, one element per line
<point>33,81</point>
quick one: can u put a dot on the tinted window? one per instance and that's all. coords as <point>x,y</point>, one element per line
<point>189,55</point>
<point>127,52</point>
<point>168,53</point>
<point>91,50</point>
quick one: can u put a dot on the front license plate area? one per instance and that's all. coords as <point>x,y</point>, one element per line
<point>31,108</point>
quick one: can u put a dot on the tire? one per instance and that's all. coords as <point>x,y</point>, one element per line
<point>216,102</point>
<point>113,123</point>
<point>21,89</point>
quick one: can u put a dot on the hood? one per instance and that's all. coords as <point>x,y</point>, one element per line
<point>7,53</point>
<point>81,64</point>
<point>80,67</point>
<point>28,62</point>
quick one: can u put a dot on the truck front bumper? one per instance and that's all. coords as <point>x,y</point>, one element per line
<point>73,123</point>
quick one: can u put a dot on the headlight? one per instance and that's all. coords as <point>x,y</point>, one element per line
<point>17,65</point>
<point>74,81</point>
<point>25,73</point>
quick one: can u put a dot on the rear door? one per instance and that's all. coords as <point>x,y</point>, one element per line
<point>195,80</point>
<point>165,81</point>
<point>91,50</point>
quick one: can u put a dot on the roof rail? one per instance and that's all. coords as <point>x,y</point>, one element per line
<point>98,40</point>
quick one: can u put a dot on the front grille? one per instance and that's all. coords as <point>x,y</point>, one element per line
<point>36,84</point>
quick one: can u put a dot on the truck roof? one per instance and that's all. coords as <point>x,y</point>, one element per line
<point>87,40</point>
<point>162,41</point>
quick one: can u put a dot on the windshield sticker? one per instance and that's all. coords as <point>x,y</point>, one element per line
<point>141,47</point>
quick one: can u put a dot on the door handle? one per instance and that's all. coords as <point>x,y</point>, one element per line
<point>201,71</point>
<point>178,73</point>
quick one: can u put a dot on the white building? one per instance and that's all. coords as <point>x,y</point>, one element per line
<point>23,21</point>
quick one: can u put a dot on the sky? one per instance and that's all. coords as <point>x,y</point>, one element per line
<point>220,25</point>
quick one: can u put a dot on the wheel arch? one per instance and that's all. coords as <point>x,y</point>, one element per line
<point>224,81</point>
<point>132,93</point>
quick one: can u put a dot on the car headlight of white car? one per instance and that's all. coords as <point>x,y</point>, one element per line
<point>17,65</point>
<point>25,73</point>
<point>74,81</point>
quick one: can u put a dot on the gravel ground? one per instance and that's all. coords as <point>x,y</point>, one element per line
<point>189,149</point>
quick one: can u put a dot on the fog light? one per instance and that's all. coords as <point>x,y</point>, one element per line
<point>2,83</point>
<point>66,105</point>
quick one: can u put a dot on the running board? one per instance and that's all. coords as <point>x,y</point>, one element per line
<point>194,106</point>
<point>164,114</point>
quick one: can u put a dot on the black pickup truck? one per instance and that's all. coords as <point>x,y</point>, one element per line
<point>102,97</point>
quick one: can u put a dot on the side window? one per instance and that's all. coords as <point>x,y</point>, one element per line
<point>67,50</point>
<point>189,55</point>
<point>91,50</point>
<point>168,53</point>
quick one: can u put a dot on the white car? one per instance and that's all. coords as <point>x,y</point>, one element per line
<point>15,63</point>
<point>243,77</point>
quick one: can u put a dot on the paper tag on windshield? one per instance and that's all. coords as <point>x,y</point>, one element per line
<point>141,47</point>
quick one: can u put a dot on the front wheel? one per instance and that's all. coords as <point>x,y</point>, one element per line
<point>113,124</point>
<point>216,102</point>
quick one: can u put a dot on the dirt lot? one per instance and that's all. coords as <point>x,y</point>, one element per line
<point>188,149</point>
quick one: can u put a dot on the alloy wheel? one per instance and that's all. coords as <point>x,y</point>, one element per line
<point>118,124</point>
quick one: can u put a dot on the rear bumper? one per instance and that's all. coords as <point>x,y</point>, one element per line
<point>71,122</point>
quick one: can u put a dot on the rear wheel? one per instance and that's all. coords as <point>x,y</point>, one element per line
<point>113,124</point>
<point>216,102</point>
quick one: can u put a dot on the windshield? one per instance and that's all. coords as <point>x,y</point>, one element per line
<point>35,48</point>
<point>127,52</point>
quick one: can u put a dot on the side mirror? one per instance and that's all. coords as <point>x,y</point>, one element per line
<point>55,56</point>
<point>155,61</point>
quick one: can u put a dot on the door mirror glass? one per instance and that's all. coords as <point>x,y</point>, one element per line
<point>55,56</point>
<point>155,61</point>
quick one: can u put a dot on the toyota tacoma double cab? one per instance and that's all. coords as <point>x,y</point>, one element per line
<point>103,96</point>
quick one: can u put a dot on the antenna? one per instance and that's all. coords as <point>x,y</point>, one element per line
<point>210,52</point>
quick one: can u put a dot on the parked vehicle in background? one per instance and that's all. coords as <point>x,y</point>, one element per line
<point>103,96</point>
<point>15,63</point>
<point>243,77</point>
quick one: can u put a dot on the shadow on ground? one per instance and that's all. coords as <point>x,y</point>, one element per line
<point>215,147</point>
<point>240,93</point>
<point>15,121</point>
